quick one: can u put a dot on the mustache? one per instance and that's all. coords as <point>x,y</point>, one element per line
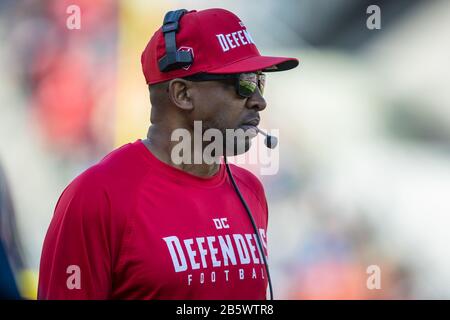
<point>253,120</point>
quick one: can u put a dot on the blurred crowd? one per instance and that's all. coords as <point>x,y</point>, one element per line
<point>67,75</point>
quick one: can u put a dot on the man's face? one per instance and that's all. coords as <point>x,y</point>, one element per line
<point>218,106</point>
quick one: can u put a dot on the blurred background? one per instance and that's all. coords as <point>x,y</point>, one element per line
<point>364,128</point>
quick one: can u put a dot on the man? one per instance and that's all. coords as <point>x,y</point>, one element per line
<point>142,225</point>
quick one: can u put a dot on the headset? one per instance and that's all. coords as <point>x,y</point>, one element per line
<point>174,59</point>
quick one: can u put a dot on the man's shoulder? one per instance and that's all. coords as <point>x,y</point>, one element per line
<point>126,159</point>
<point>250,180</point>
<point>121,167</point>
<point>244,174</point>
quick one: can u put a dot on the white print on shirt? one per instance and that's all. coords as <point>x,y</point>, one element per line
<point>202,251</point>
<point>212,276</point>
<point>234,39</point>
<point>221,223</point>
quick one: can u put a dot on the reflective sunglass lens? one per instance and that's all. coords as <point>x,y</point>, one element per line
<point>247,84</point>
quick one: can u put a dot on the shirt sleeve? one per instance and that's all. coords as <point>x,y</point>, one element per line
<point>76,256</point>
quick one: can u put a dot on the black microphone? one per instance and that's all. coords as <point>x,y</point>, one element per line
<point>271,142</point>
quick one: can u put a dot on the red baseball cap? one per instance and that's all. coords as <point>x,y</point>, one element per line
<point>219,44</point>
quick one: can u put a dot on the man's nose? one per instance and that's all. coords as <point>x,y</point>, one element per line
<point>256,101</point>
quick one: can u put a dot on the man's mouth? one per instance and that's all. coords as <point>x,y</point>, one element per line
<point>250,127</point>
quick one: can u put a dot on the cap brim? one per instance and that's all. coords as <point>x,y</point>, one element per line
<point>264,63</point>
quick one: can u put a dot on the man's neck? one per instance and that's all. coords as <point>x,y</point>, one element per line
<point>159,143</point>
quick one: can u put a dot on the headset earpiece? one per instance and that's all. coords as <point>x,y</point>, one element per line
<point>173,59</point>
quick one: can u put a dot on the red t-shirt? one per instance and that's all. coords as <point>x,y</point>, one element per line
<point>133,227</point>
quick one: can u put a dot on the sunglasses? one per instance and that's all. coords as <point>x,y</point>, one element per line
<point>245,83</point>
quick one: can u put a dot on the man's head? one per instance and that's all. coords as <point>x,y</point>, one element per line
<point>217,103</point>
<point>204,66</point>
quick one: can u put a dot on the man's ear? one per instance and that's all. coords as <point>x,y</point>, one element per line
<point>180,94</point>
